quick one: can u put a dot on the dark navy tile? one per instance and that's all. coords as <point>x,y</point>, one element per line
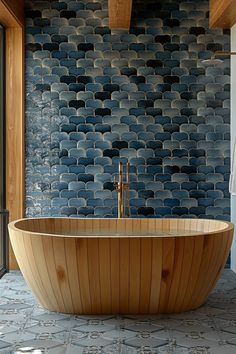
<point>163,39</point>
<point>67,14</point>
<point>171,202</point>
<point>146,211</point>
<point>197,194</point>
<point>163,211</point>
<point>180,194</point>
<point>86,210</point>
<point>168,169</point>
<point>171,185</point>
<point>162,136</point>
<point>145,194</point>
<point>178,210</point>
<point>41,22</point>
<point>189,185</point>
<point>68,211</point>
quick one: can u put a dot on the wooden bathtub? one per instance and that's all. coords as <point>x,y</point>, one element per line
<point>121,266</point>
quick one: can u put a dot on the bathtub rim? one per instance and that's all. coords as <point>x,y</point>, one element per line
<point>229,226</point>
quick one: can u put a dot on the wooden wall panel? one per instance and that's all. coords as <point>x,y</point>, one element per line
<point>12,18</point>
<point>222,13</point>
<point>15,126</point>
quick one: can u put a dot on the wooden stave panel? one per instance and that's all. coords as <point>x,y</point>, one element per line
<point>226,241</point>
<point>176,274</point>
<point>105,274</point>
<point>83,275</point>
<point>145,275</point>
<point>94,276</point>
<point>215,251</point>
<point>86,254</point>
<point>135,271</point>
<point>74,282</point>
<point>185,274</point>
<point>124,266</point>
<point>155,289</point>
<point>167,268</point>
<point>203,271</point>
<point>115,275</point>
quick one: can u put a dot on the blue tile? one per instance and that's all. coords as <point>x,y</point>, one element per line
<point>145,211</point>
<point>75,185</point>
<point>85,177</point>
<point>93,119</point>
<point>145,177</point>
<point>163,211</point>
<point>146,194</point>
<point>68,211</point>
<point>102,144</point>
<point>85,194</point>
<point>102,161</point>
<point>59,202</point>
<point>76,202</point>
<point>68,161</point>
<point>74,169</point>
<point>137,202</point>
<point>94,202</point>
<point>154,203</point>
<point>171,202</point>
<point>59,185</point>
<point>162,177</point>
<point>186,130</point>
<point>102,211</point>
<point>85,210</point>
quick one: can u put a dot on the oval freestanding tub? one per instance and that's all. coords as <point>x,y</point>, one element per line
<point>121,266</point>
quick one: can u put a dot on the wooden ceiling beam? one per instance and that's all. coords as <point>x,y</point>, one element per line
<point>119,13</point>
<point>222,13</point>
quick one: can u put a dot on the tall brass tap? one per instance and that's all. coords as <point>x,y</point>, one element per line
<point>121,186</point>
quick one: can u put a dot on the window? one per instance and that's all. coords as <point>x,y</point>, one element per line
<point>3,212</point>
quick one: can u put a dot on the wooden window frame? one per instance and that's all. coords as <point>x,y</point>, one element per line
<point>12,19</point>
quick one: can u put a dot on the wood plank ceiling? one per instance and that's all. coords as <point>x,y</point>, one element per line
<point>119,13</point>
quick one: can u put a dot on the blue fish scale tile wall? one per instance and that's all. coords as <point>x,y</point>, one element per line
<point>96,97</point>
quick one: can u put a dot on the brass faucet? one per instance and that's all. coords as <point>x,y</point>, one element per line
<point>121,187</point>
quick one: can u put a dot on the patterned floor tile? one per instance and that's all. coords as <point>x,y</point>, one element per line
<point>4,344</point>
<point>25,327</point>
<point>17,337</point>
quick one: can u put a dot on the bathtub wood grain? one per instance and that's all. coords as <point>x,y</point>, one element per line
<point>75,266</point>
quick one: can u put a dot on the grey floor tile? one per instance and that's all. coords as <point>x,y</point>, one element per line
<point>24,324</point>
<point>4,344</point>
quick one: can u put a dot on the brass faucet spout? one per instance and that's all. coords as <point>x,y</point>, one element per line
<point>120,191</point>
<point>121,186</point>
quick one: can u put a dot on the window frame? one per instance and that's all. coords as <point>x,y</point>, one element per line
<point>12,19</point>
<point>4,239</point>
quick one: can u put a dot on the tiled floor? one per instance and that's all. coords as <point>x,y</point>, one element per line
<point>25,327</point>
